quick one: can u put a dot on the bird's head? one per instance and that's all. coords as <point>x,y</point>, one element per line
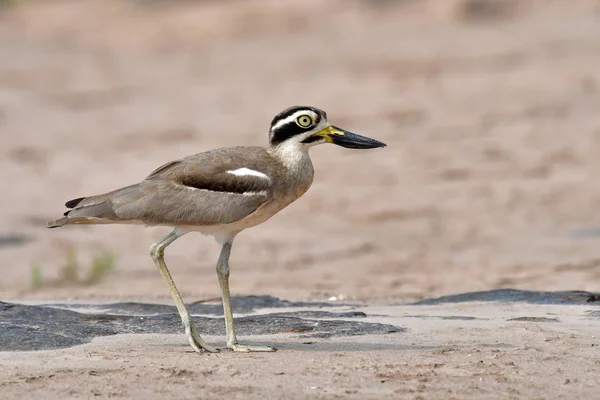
<point>304,127</point>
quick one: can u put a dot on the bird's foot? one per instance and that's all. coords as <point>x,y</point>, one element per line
<point>242,348</point>
<point>196,341</point>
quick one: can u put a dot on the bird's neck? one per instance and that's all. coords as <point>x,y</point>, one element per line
<point>294,156</point>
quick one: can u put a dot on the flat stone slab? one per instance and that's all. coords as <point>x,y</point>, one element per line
<point>511,295</point>
<point>59,325</point>
<point>241,305</point>
<point>327,350</point>
<point>53,326</point>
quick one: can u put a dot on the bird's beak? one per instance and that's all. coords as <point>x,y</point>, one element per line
<point>347,139</point>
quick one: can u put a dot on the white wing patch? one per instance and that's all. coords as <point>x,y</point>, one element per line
<point>248,172</point>
<point>261,193</point>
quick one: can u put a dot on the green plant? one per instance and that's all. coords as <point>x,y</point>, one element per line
<point>37,276</point>
<point>101,266</point>
<point>70,273</point>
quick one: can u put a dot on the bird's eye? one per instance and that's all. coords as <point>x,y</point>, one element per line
<point>304,121</point>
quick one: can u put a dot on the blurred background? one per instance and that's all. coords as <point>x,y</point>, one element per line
<point>490,109</point>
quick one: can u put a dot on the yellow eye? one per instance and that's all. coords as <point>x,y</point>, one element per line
<point>304,121</point>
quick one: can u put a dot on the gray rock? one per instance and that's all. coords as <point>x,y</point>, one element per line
<point>25,327</point>
<point>242,305</point>
<point>533,319</point>
<point>13,239</point>
<point>524,296</point>
<point>594,314</point>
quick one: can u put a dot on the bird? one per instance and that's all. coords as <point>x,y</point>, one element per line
<point>219,192</point>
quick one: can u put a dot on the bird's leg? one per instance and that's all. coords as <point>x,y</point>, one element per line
<point>157,251</point>
<point>223,274</point>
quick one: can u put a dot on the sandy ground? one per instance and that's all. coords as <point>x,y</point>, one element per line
<point>480,355</point>
<point>490,113</point>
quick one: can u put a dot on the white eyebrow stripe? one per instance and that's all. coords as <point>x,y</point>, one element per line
<point>293,117</point>
<point>248,172</point>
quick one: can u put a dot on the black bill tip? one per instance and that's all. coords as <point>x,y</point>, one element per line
<point>352,140</point>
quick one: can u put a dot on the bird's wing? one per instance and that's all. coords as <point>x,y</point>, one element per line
<point>213,188</point>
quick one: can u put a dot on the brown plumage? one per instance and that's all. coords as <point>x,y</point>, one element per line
<point>197,191</point>
<point>220,192</point>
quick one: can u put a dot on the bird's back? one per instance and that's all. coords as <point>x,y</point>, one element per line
<point>217,187</point>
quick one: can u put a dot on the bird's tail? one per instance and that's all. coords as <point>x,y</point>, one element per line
<point>80,220</point>
<point>89,210</point>
<point>58,223</point>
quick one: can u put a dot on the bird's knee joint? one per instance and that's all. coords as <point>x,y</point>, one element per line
<point>156,251</point>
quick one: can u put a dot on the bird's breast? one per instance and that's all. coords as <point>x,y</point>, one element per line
<point>288,184</point>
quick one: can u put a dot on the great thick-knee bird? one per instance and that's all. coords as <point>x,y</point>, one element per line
<point>219,192</point>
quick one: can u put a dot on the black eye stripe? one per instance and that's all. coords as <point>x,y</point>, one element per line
<point>284,132</point>
<point>291,128</point>
<point>293,110</point>
<point>289,112</point>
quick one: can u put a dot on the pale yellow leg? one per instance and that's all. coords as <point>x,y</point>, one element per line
<point>223,274</point>
<point>157,251</point>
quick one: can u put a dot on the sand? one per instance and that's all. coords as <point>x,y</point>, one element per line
<point>491,115</point>
<point>465,351</point>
